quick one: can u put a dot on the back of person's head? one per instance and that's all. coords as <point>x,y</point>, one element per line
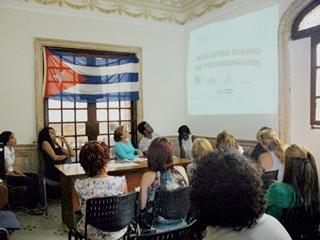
<point>44,136</point>
<point>227,191</point>
<point>226,141</point>
<point>160,154</point>
<point>141,127</point>
<point>262,129</point>
<point>118,133</point>
<point>5,137</point>
<point>200,148</point>
<point>270,140</point>
<point>301,172</point>
<point>184,129</point>
<point>94,157</point>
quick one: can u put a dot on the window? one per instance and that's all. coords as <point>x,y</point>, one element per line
<point>307,24</point>
<point>82,121</point>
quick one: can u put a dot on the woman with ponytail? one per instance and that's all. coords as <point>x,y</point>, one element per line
<point>300,186</point>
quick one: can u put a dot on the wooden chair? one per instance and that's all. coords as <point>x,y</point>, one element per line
<point>108,214</point>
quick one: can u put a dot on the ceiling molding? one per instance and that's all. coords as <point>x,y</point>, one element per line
<point>178,12</point>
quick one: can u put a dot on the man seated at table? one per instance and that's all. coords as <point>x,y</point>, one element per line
<point>146,130</point>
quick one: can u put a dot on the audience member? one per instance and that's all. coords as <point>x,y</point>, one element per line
<point>146,130</point>
<point>185,142</point>
<point>162,175</point>
<point>258,149</point>
<point>200,148</point>
<point>300,186</point>
<point>94,157</point>
<point>274,157</point>
<point>3,194</point>
<point>123,148</point>
<point>53,153</point>
<point>227,195</point>
<point>15,177</point>
<point>227,142</point>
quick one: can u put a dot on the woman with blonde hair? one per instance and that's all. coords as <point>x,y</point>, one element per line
<point>200,148</point>
<point>300,186</point>
<point>273,159</point>
<point>227,142</point>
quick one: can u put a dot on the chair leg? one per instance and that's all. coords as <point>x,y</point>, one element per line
<point>45,195</point>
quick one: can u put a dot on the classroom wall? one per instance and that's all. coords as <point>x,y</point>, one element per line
<point>162,53</point>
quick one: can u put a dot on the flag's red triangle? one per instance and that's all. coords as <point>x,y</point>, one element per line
<point>59,76</point>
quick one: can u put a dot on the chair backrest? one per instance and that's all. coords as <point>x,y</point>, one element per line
<point>112,213</point>
<point>172,204</point>
<point>187,232</point>
<point>299,223</point>
<point>268,177</point>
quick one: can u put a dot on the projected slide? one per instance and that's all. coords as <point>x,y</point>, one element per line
<point>233,66</point>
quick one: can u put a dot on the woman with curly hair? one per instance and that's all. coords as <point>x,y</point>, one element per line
<point>94,158</point>
<point>273,159</point>
<point>300,186</point>
<point>227,142</point>
<point>227,196</point>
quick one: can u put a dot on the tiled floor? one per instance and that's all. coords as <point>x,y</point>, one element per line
<point>41,227</point>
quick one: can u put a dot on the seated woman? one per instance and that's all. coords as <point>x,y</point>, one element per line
<point>300,186</point>
<point>185,142</point>
<point>53,153</point>
<point>161,176</point>
<point>200,148</point>
<point>123,148</point>
<point>15,177</point>
<point>258,149</point>
<point>227,142</point>
<point>94,158</point>
<point>227,196</point>
<point>274,157</point>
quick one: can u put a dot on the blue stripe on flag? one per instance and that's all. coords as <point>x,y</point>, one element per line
<point>122,96</point>
<point>69,57</point>
<point>116,78</point>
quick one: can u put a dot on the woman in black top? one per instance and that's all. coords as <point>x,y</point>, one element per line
<point>53,153</point>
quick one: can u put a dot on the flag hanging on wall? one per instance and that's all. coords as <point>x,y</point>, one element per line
<point>69,76</point>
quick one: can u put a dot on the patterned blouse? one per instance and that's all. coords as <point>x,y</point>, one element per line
<point>167,180</point>
<point>97,188</point>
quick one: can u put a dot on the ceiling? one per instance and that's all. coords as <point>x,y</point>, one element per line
<point>171,11</point>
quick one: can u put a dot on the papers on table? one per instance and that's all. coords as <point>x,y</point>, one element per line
<point>124,164</point>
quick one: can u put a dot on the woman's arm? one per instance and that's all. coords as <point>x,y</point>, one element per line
<point>265,160</point>
<point>69,151</point>
<point>49,150</point>
<point>147,179</point>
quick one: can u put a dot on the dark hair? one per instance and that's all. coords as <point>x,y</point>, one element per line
<point>301,173</point>
<point>141,127</point>
<point>5,137</point>
<point>160,154</point>
<point>118,133</point>
<point>226,191</point>
<point>184,129</point>
<point>264,128</point>
<point>44,136</point>
<point>94,156</point>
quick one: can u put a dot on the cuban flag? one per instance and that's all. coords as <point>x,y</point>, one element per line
<point>70,76</point>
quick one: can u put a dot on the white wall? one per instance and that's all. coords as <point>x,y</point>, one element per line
<point>163,51</point>
<point>300,97</point>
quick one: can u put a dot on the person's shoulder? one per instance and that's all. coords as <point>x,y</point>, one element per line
<point>148,177</point>
<point>268,224</point>
<point>280,186</point>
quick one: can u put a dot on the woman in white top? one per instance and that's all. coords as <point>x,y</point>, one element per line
<point>15,177</point>
<point>227,196</point>
<point>185,142</point>
<point>273,159</point>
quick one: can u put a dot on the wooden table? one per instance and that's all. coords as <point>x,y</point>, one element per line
<point>71,172</point>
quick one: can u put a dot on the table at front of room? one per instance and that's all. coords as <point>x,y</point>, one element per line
<point>71,172</point>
